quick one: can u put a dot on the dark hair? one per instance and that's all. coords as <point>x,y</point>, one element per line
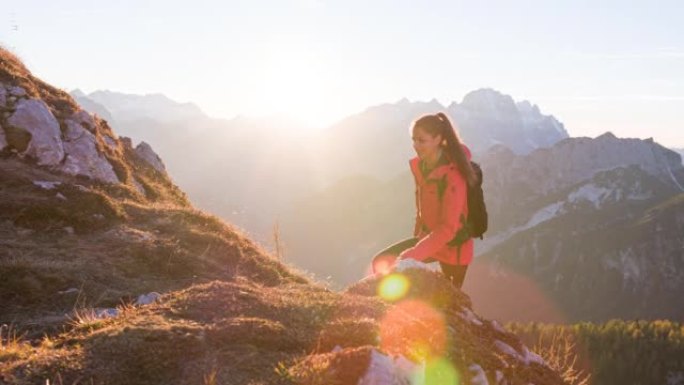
<point>439,124</point>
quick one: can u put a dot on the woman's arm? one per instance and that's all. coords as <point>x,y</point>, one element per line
<point>453,206</point>
<point>419,224</point>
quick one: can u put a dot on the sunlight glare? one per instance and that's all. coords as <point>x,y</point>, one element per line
<point>295,80</point>
<point>393,287</point>
<point>415,330</point>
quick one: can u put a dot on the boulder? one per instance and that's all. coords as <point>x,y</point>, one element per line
<point>33,117</point>
<point>82,156</point>
<point>146,152</point>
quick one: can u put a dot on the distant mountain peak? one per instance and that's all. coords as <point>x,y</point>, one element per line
<point>607,135</point>
<point>77,93</point>
<point>156,106</point>
<point>487,96</point>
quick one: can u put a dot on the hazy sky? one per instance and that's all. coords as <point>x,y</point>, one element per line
<point>596,65</point>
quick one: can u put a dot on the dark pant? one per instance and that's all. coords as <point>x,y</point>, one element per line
<point>454,273</point>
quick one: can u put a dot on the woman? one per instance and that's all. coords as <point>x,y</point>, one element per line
<point>441,171</point>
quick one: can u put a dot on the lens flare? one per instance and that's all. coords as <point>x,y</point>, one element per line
<point>393,287</point>
<point>415,330</point>
<point>440,372</point>
<point>383,264</point>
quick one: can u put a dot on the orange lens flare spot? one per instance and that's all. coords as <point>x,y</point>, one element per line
<point>384,264</point>
<point>393,287</point>
<point>414,329</point>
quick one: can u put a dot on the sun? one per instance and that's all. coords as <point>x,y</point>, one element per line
<point>295,80</point>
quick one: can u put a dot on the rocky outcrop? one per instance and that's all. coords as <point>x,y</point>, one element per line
<point>82,157</point>
<point>146,152</point>
<point>34,118</point>
<point>68,144</point>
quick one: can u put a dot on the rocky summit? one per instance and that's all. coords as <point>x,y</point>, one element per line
<point>110,276</point>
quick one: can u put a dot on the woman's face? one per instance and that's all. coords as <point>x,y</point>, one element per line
<point>426,145</point>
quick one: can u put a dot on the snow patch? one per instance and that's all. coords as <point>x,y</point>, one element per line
<point>543,215</point>
<point>590,192</point>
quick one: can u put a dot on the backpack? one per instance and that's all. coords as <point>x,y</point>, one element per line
<point>476,224</point>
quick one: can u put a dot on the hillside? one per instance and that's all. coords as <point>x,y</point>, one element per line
<point>90,223</point>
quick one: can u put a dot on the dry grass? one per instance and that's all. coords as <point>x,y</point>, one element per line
<point>12,346</point>
<point>15,73</point>
<point>560,353</point>
<point>278,246</point>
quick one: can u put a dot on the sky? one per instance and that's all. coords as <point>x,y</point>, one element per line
<point>597,66</point>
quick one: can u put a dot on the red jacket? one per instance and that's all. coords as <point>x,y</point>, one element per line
<point>438,220</point>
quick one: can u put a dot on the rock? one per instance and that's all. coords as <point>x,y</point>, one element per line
<point>146,299</point>
<point>82,157</point>
<point>131,235</point>
<point>110,142</point>
<point>139,187</point>
<point>3,96</point>
<point>69,230</point>
<point>145,151</point>
<point>479,376</point>
<point>17,91</point>
<point>383,370</point>
<point>108,312</point>
<point>85,119</point>
<point>3,139</point>
<point>47,185</point>
<point>126,141</point>
<point>24,232</point>
<point>405,264</point>
<point>33,117</point>
<point>60,197</point>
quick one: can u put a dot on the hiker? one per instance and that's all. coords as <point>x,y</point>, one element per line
<point>441,172</point>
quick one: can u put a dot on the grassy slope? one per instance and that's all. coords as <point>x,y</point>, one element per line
<point>230,313</point>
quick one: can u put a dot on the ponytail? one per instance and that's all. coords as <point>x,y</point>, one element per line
<point>439,124</point>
